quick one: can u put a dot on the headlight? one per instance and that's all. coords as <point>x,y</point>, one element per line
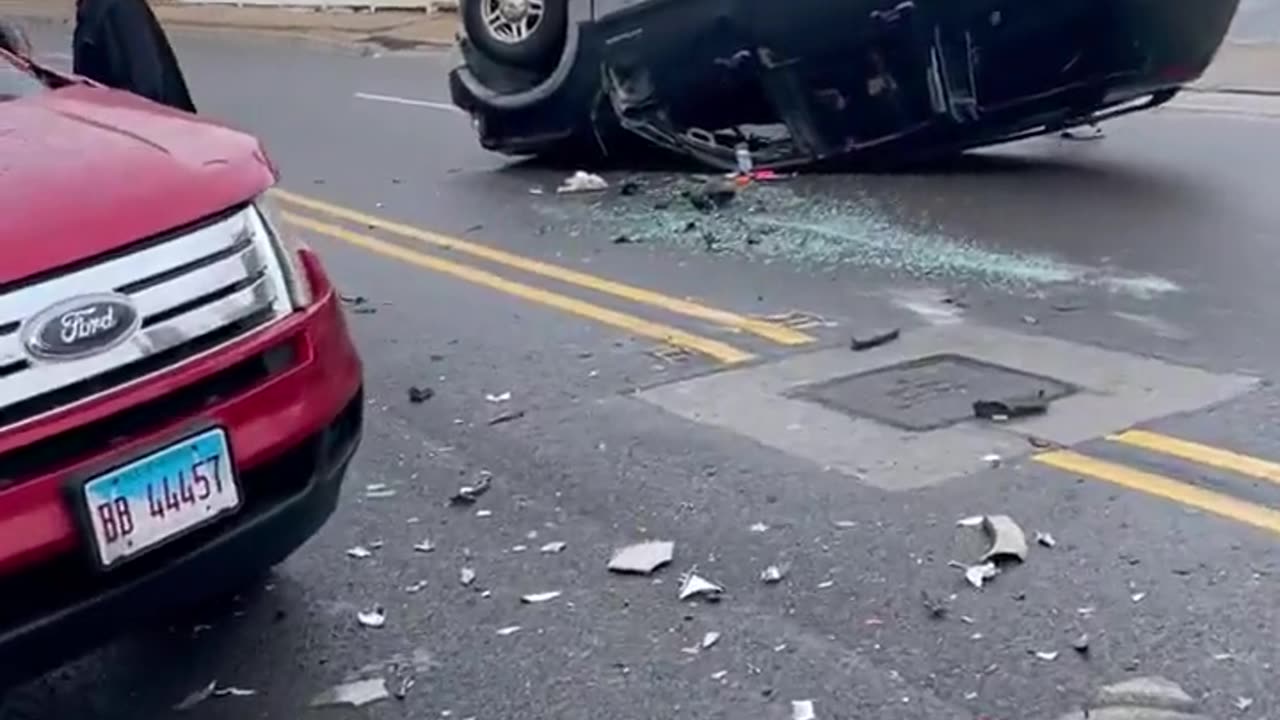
<point>287,247</point>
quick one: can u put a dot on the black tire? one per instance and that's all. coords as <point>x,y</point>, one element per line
<point>539,51</point>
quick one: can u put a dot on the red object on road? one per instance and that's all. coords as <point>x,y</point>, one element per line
<point>179,395</point>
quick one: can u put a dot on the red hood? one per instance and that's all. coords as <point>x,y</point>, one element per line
<point>84,170</point>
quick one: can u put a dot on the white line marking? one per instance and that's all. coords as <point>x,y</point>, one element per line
<point>446,107</point>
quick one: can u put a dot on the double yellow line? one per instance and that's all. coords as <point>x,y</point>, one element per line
<point>715,349</point>
<point>1194,496</point>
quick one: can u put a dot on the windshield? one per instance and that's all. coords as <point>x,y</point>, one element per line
<point>16,81</point>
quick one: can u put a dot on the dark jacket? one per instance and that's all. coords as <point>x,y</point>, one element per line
<point>120,44</point>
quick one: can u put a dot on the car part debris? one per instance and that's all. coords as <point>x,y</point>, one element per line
<point>416,588</point>
<point>419,395</point>
<point>1153,692</point>
<point>553,548</point>
<point>711,195</point>
<point>536,598</point>
<point>484,513</point>
<point>759,528</point>
<point>359,552</point>
<point>498,398</point>
<point>1045,539</point>
<point>1006,409</point>
<point>709,640</point>
<point>826,584</point>
<point>1047,656</point>
<point>372,618</point>
<point>1007,539</point>
<point>511,630</point>
<point>1138,597</point>
<point>1243,703</point>
<point>234,692</point>
<point>802,710</point>
<point>197,697</point>
<point>977,575</point>
<point>1039,443</point>
<point>583,181</point>
<point>355,694</point>
<point>466,576</point>
<point>1085,133</point>
<point>992,459</point>
<point>874,340</point>
<point>506,417</point>
<point>719,675</point>
<point>972,521</point>
<point>1081,644</point>
<point>846,524</point>
<point>773,574</point>
<point>468,494</point>
<point>642,558</point>
<point>383,493</point>
<point>404,686</point>
<point>696,586</point>
<point>425,546</point>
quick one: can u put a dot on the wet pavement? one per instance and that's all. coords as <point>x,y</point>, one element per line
<point>667,382</point>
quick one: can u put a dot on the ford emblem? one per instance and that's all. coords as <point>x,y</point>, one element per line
<point>80,327</point>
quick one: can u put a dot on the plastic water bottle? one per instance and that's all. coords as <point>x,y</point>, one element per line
<point>743,155</point>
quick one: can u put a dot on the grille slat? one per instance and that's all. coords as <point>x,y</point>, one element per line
<point>220,276</point>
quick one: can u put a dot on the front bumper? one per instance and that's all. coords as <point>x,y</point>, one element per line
<point>289,397</point>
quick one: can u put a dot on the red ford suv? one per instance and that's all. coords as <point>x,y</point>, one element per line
<point>179,396</point>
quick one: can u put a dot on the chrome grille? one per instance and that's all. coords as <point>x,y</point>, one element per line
<point>219,280</point>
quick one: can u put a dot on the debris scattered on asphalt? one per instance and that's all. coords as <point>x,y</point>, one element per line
<point>1045,539</point>
<point>419,395</point>
<point>1005,409</point>
<point>511,630</point>
<point>977,575</point>
<point>484,513</point>
<point>553,548</point>
<point>1243,703</point>
<point>197,697</point>
<point>773,574</point>
<point>709,640</point>
<point>1222,657</point>
<point>466,576</point>
<point>629,188</point>
<point>583,181</point>
<point>696,586</point>
<point>506,417</point>
<point>1030,320</point>
<point>468,494</point>
<point>537,191</point>
<point>936,606</point>
<point>759,528</point>
<point>1039,442</point>
<point>719,675</point>
<point>826,584</point>
<point>499,397</point>
<point>802,710</point>
<point>375,617</point>
<point>972,521</point>
<point>846,524</point>
<point>353,300</point>
<point>1138,597</point>
<point>536,598</point>
<point>359,552</point>
<point>874,340</point>
<point>1047,656</point>
<point>416,588</point>
<point>1081,644</point>
<point>379,491</point>
<point>992,459</point>
<point>1007,539</point>
<point>711,195</point>
<point>642,558</point>
<point>234,692</point>
<point>404,686</point>
<point>425,546</point>
<point>1154,692</point>
<point>356,694</point>
<point>623,240</point>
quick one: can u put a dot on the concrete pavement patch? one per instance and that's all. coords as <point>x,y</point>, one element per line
<point>1114,391</point>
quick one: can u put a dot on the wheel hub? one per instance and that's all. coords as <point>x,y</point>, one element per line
<point>513,11</point>
<point>512,21</point>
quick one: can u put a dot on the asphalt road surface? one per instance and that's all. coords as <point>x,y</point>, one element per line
<point>685,376</point>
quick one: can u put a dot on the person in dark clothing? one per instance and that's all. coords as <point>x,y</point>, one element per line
<point>120,44</point>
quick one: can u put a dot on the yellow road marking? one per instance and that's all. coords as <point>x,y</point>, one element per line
<point>1202,454</point>
<point>769,331</point>
<point>1160,486</point>
<point>715,349</point>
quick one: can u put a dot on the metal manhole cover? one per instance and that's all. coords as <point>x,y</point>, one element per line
<point>928,393</point>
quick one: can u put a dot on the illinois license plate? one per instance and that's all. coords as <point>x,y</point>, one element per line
<point>156,498</point>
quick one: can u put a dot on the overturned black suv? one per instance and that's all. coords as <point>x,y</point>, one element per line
<point>808,81</point>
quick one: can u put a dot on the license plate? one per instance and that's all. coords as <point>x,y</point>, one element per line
<point>137,507</point>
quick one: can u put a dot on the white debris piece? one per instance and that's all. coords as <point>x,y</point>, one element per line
<point>972,521</point>
<point>583,181</point>
<point>425,546</point>
<point>553,548</point>
<point>1138,597</point>
<point>846,524</point>
<point>197,697</point>
<point>536,598</point>
<point>375,617</point>
<point>466,576</point>
<point>359,552</point>
<point>1007,539</point>
<point>710,639</point>
<point>1046,539</point>
<point>826,584</point>
<point>977,575</point>
<point>1243,703</point>
<point>802,710</point>
<point>1047,656</point>
<point>759,528</point>
<point>484,513</point>
<point>416,588</point>
<point>498,398</point>
<point>719,675</point>
<point>507,631</point>
<point>378,491</point>
<point>234,692</point>
<point>642,558</point>
<point>773,574</point>
<point>992,459</point>
<point>356,694</point>
<point>695,585</point>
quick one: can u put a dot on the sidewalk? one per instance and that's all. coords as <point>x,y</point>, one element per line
<point>1244,68</point>
<point>390,28</point>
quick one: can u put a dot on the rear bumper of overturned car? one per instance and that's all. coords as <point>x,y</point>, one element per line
<point>865,80</point>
